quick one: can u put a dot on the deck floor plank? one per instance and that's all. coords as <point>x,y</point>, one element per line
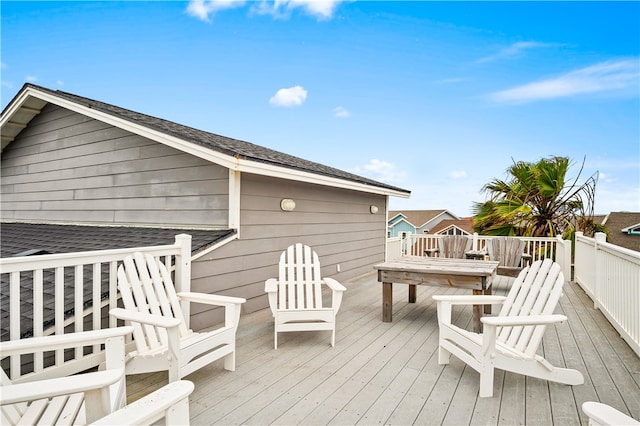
<point>388,373</point>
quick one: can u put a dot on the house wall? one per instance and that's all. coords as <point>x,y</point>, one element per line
<point>336,223</point>
<point>402,226</point>
<point>66,167</point>
<point>433,222</point>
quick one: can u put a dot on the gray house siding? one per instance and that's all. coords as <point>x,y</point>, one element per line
<point>336,223</point>
<point>66,167</point>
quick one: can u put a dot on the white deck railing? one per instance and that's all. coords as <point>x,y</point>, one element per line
<point>56,278</point>
<point>537,247</point>
<point>610,275</point>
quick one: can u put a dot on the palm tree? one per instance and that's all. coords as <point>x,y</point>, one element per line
<point>536,201</point>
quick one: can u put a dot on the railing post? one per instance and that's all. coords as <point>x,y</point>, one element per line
<point>599,237</point>
<point>475,242</point>
<point>183,271</point>
<point>563,256</point>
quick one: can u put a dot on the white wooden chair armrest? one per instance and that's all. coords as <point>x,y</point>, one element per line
<point>211,299</point>
<point>49,388</point>
<point>144,318</point>
<point>170,401</point>
<point>522,321</point>
<point>271,285</point>
<point>61,341</point>
<point>333,284</point>
<point>602,414</point>
<point>469,299</point>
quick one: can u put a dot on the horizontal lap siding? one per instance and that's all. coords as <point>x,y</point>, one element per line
<point>336,223</point>
<point>65,167</point>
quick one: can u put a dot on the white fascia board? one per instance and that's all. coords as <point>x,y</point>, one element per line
<point>208,154</point>
<point>13,108</point>
<point>259,168</point>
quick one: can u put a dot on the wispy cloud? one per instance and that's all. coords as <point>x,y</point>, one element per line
<point>458,174</point>
<point>341,112</point>
<point>382,171</point>
<point>203,9</point>
<point>31,78</point>
<point>620,76</point>
<point>292,96</point>
<point>321,9</point>
<point>516,49</point>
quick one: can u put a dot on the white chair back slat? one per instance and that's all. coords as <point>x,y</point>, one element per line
<point>300,281</point>
<point>517,297</point>
<point>139,330</point>
<point>317,281</point>
<point>546,305</point>
<point>166,293</point>
<point>157,336</point>
<point>527,296</point>
<point>307,283</point>
<point>536,291</point>
<point>138,303</point>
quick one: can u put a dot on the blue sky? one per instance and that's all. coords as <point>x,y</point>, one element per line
<point>434,97</point>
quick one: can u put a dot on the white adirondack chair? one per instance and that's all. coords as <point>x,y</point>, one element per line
<point>507,251</point>
<point>77,399</point>
<point>161,337</point>
<point>511,339</point>
<point>604,415</point>
<point>454,246</point>
<point>170,402</point>
<point>295,298</point>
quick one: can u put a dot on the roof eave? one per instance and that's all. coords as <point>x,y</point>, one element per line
<point>224,160</point>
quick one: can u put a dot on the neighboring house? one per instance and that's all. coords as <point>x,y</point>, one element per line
<point>623,229</point>
<point>72,160</point>
<point>415,221</point>
<point>462,226</point>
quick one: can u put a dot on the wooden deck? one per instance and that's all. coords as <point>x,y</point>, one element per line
<point>388,373</point>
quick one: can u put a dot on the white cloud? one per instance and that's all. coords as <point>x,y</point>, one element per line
<point>201,9</point>
<point>516,49</point>
<point>341,112</point>
<point>611,76</point>
<point>602,177</point>
<point>60,82</point>
<point>31,78</point>
<point>7,84</point>
<point>293,96</point>
<point>381,170</point>
<point>458,174</point>
<point>321,9</point>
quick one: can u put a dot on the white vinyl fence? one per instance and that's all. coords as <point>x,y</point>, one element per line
<point>610,275</point>
<point>71,292</point>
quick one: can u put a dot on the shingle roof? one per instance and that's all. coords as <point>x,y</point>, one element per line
<point>222,144</point>
<point>53,239</point>
<point>417,217</point>
<point>615,222</point>
<point>466,224</point>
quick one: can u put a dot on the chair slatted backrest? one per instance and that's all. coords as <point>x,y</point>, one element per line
<point>507,251</point>
<point>454,246</point>
<point>536,291</point>
<point>300,282</point>
<point>146,286</point>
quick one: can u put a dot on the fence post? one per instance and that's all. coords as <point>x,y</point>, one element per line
<point>474,245</point>
<point>599,237</point>
<point>563,256</point>
<point>183,271</point>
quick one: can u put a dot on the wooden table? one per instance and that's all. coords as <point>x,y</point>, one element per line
<point>476,275</point>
